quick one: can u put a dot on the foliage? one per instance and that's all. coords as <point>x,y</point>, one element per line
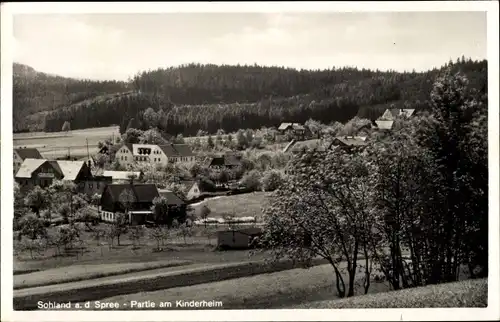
<point>32,226</point>
<point>251,180</point>
<point>224,97</point>
<point>323,210</point>
<point>135,234</point>
<point>38,199</point>
<point>119,227</point>
<point>271,180</point>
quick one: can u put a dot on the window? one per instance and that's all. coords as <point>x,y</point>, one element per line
<point>125,158</point>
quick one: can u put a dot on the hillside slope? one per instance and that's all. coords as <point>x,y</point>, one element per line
<point>35,94</point>
<point>188,98</point>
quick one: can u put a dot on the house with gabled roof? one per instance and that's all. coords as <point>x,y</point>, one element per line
<point>295,131</point>
<point>193,189</point>
<point>42,172</point>
<point>140,197</point>
<point>153,154</point>
<point>349,142</point>
<point>20,154</point>
<point>391,114</point>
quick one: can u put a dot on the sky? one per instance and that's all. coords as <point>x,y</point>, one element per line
<point>116,46</point>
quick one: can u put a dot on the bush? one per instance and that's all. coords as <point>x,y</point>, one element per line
<point>271,180</point>
<point>251,180</point>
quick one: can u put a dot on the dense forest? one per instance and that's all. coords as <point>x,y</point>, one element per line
<point>191,97</point>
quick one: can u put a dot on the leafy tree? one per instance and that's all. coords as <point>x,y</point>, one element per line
<point>132,136</point>
<point>210,142</point>
<point>38,199</point>
<point>252,180</point>
<point>88,216</point>
<point>32,226</point>
<point>161,210</point>
<point>118,228</point>
<point>271,180</point>
<point>136,233</point>
<point>185,231</point>
<point>203,213</point>
<point>322,210</point>
<point>151,118</point>
<point>241,140</point>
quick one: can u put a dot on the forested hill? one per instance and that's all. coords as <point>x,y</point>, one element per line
<point>188,98</point>
<point>35,94</point>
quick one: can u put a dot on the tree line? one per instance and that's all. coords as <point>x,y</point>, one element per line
<point>208,97</point>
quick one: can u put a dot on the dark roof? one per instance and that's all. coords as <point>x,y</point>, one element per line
<point>29,153</point>
<point>143,192</point>
<point>177,150</point>
<point>171,197</point>
<point>225,160</point>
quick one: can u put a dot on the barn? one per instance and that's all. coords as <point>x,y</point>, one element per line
<point>237,238</point>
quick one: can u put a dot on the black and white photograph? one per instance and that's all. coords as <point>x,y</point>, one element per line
<point>250,161</point>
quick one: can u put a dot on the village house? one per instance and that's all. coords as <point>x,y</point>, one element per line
<point>42,172</point>
<point>129,154</point>
<point>227,161</point>
<point>293,131</point>
<point>349,142</point>
<point>384,125</point>
<point>123,176</point>
<point>176,206</point>
<point>391,114</point>
<point>140,198</point>
<point>193,189</point>
<point>20,154</point>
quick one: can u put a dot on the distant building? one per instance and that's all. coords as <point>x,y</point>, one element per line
<point>384,125</point>
<point>293,130</point>
<point>238,239</point>
<point>227,161</point>
<point>391,114</point>
<point>142,196</point>
<point>193,189</point>
<point>21,154</point>
<point>41,172</point>
<point>349,142</point>
<point>123,176</point>
<point>129,154</point>
<point>140,211</point>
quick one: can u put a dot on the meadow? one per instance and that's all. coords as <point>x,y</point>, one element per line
<point>59,144</point>
<point>243,205</point>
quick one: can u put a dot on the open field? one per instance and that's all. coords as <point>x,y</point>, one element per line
<point>272,290</point>
<point>58,144</point>
<point>243,205</point>
<point>83,272</point>
<point>469,293</point>
<point>198,248</point>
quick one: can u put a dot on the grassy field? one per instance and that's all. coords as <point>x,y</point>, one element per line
<point>198,248</point>
<point>57,144</point>
<point>469,293</point>
<point>82,272</point>
<point>264,291</point>
<point>244,205</point>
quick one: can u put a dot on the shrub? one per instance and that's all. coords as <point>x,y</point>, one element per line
<point>271,180</point>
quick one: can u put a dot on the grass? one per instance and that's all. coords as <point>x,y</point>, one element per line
<point>469,293</point>
<point>57,144</point>
<point>198,248</point>
<point>84,272</point>
<point>244,205</point>
<point>264,291</point>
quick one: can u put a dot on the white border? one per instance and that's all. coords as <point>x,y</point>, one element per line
<point>490,313</point>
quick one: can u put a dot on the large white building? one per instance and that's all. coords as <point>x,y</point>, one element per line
<point>153,154</point>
